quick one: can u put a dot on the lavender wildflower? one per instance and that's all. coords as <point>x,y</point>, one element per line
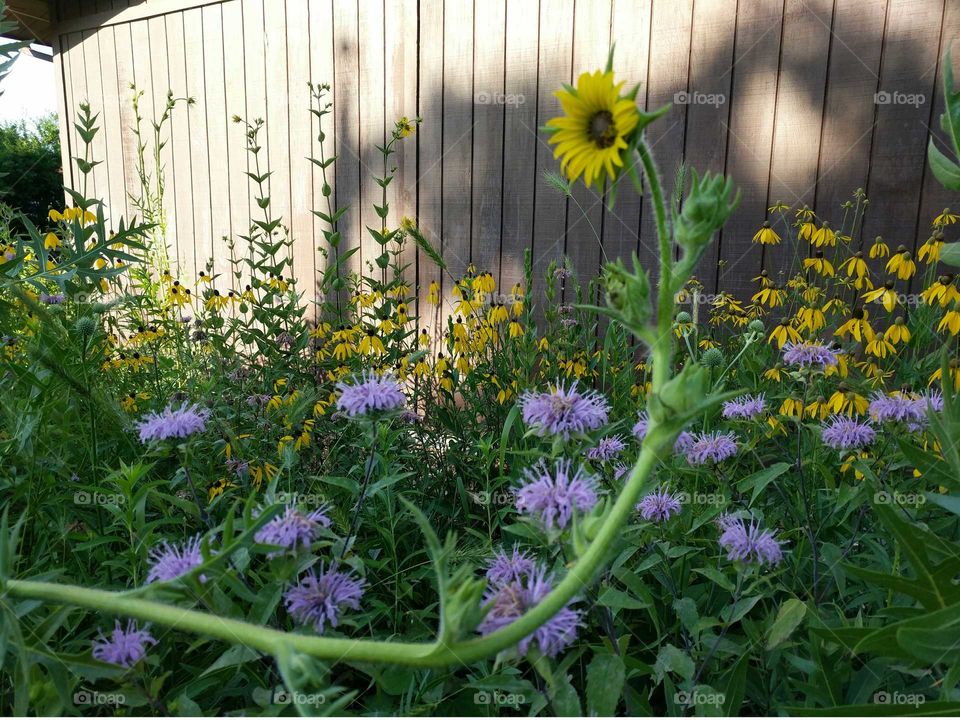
<point>512,600</point>
<point>749,544</point>
<point>552,497</point>
<point>56,299</point>
<point>844,433</point>
<point>125,647</point>
<point>620,470</point>
<point>808,354</point>
<point>745,407</point>
<point>659,506</point>
<point>607,448</point>
<point>895,408</point>
<point>505,569</point>
<point>293,529</point>
<point>319,598</point>
<point>684,442</point>
<point>642,425</point>
<point>712,447</point>
<point>564,411</point>
<point>169,562</point>
<point>370,393</point>
<point>179,422</point>
<point>681,444</point>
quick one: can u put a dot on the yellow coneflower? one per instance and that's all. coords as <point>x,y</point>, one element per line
<point>544,344</point>
<point>941,291</point>
<point>772,296</point>
<point>202,277</point>
<point>929,252</point>
<point>371,343</point>
<point>779,207</point>
<point>405,128</point>
<point>791,407</point>
<point>849,460</point>
<point>818,409</point>
<point>897,333</point>
<point>774,373</point>
<point>218,488</point>
<point>517,296</point>
<point>819,263</point>
<point>953,372</point>
<point>515,329</point>
<point>945,218</point>
<point>178,295</point>
<point>950,322</point>
<point>498,313</point>
<point>763,279</point>
<point>858,326</point>
<point>824,236</point>
<point>51,241</point>
<point>766,235</point>
<point>807,230</point>
<point>260,472</point>
<point>856,267</point>
<point>885,295</point>
<point>846,401</point>
<point>592,135</point>
<point>783,333</point>
<point>880,347</point>
<point>424,339</point>
<point>805,214</point>
<point>879,249</point>
<point>811,319</point>
<point>902,264</point>
<point>216,301</point>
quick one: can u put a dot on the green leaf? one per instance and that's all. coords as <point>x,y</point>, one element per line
<point>759,480</point>
<point>789,617</point>
<point>672,659</point>
<point>564,698</point>
<point>605,679</point>
<point>950,253</point>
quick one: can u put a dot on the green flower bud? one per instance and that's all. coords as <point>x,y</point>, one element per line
<point>683,317</point>
<point>85,327</point>
<point>712,358</point>
<point>628,294</point>
<point>708,205</point>
<point>756,326</point>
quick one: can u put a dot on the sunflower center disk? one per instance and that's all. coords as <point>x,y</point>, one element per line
<point>602,129</point>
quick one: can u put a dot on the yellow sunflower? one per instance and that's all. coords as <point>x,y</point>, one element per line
<point>592,134</point>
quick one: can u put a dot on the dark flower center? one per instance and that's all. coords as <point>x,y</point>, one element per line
<point>602,129</point>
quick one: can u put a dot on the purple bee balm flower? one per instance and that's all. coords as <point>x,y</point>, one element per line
<point>844,433</point>
<point>181,422</point>
<point>659,506</point>
<point>169,562</point>
<point>712,447</point>
<point>124,647</point>
<point>808,354</point>
<point>564,411</point>
<point>319,598</point>
<point>748,543</point>
<point>505,569</point>
<point>620,470</point>
<point>293,529</point>
<point>552,497</point>
<point>370,393</point>
<point>56,299</point>
<point>509,602</point>
<point>684,442</point>
<point>899,407</point>
<point>642,425</point>
<point>607,448</point>
<point>745,407</point>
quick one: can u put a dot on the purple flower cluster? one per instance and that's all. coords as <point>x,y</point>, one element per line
<point>845,433</point>
<point>370,393</point>
<point>510,600</point>
<point>179,422</point>
<point>505,569</point>
<point>749,543</point>
<point>681,445</point>
<point>607,449</point>
<point>168,562</point>
<point>908,408</point>
<point>319,598</point>
<point>125,646</point>
<point>659,506</point>
<point>712,447</point>
<point>564,411</point>
<point>553,496</point>
<point>293,529</point>
<point>808,354</point>
<point>745,407</point>
<point>56,299</point>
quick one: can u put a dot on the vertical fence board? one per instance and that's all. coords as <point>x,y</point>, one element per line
<point>346,106</point>
<point>235,76</point>
<point>321,72</point>
<point>181,172</point>
<point>372,87</point>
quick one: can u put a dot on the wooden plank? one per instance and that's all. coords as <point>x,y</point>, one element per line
<point>100,153</point>
<point>346,107</point>
<point>401,101</point>
<point>591,46</point>
<point>123,12</point>
<point>64,111</point>
<point>751,138</point>
<point>199,138</point>
<point>278,110</point>
<point>254,69</point>
<point>322,71</point>
<point>113,129</point>
<point>798,118</point>
<point>708,108</point>
<point>520,136</point>
<point>852,81</point>
<point>667,80</point>
<point>549,223</point>
<point>301,185</point>
<point>160,81</point>
<point>429,145</point>
<point>123,45</point>
<point>631,35</point>
<point>235,77</point>
<point>457,138</point>
<point>218,120</point>
<point>76,94</point>
<point>903,114</point>
<point>181,171</point>
<point>490,103</point>
<point>372,99</point>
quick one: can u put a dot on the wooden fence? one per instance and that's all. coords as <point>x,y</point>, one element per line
<point>801,101</point>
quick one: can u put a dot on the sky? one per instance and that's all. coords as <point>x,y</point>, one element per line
<point>29,91</point>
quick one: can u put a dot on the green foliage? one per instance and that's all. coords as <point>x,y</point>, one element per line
<point>30,165</point>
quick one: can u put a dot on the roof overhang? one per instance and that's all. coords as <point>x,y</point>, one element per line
<point>33,20</point>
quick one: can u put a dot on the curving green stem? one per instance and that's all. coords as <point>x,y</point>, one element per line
<point>659,436</point>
